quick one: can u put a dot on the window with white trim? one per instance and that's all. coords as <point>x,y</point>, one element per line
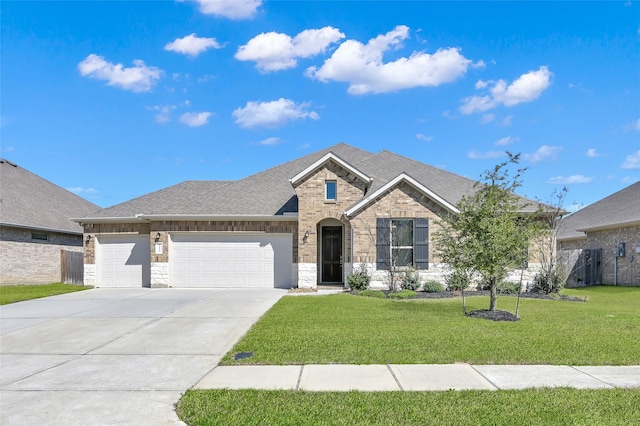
<point>401,242</point>
<point>330,190</point>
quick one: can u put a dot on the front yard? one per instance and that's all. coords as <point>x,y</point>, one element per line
<point>358,330</point>
<point>19,293</point>
<point>346,329</point>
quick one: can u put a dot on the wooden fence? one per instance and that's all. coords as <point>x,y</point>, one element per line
<point>72,267</point>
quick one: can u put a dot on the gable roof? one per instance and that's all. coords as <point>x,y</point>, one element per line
<point>619,209</point>
<point>271,194</point>
<point>29,201</point>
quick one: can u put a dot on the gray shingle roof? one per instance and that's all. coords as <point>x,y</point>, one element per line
<point>619,208</point>
<point>27,200</point>
<point>270,193</point>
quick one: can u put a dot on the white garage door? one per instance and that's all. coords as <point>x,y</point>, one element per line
<point>230,260</point>
<point>123,261</point>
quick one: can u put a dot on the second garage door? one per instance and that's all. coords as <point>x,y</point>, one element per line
<point>230,260</point>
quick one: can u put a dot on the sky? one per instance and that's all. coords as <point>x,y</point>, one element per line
<point>113,100</point>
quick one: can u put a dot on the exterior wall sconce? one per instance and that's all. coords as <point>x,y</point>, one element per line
<point>306,236</point>
<point>158,236</point>
<point>88,239</point>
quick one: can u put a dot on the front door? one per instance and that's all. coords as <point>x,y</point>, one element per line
<point>331,254</point>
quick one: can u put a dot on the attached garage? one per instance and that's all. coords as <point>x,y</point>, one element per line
<point>123,261</point>
<point>230,260</point>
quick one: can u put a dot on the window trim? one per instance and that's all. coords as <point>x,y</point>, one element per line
<point>326,190</point>
<point>393,247</point>
<point>420,243</point>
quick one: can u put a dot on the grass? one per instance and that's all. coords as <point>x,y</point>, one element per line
<point>345,329</point>
<point>19,293</point>
<point>528,407</point>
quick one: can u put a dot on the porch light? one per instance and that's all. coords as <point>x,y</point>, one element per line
<point>157,236</point>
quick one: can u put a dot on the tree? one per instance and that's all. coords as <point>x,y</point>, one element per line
<point>489,236</point>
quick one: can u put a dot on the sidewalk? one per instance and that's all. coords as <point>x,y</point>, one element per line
<point>418,377</point>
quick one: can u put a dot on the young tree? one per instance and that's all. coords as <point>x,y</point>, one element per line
<point>489,236</point>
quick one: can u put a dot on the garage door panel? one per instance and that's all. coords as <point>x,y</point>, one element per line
<point>230,260</point>
<point>123,261</point>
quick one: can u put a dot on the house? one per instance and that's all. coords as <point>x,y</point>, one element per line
<point>35,226</point>
<point>600,244</point>
<point>303,223</point>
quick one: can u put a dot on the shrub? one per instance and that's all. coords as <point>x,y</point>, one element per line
<point>433,287</point>
<point>359,279</point>
<point>410,279</point>
<point>404,294</point>
<point>509,288</point>
<point>550,281</point>
<point>372,293</point>
<point>457,281</point>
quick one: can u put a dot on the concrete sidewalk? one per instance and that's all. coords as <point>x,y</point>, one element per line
<point>418,377</point>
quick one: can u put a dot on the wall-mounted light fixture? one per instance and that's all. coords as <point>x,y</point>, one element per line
<point>158,236</point>
<point>306,236</point>
<point>88,238</point>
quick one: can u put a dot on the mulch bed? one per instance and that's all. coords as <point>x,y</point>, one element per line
<point>493,315</point>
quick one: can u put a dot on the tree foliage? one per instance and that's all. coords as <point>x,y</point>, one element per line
<point>489,236</point>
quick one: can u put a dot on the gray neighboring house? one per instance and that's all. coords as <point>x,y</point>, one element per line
<point>600,244</point>
<point>35,226</point>
<point>304,223</point>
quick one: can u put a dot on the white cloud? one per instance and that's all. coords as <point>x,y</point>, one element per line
<point>575,179</point>
<point>543,153</point>
<point>424,138</point>
<point>487,118</point>
<point>507,140</point>
<point>195,119</point>
<point>363,68</point>
<point>632,161</point>
<point>507,121</point>
<point>477,155</point>
<point>629,179</point>
<point>139,78</point>
<point>525,88</point>
<point>270,141</point>
<point>592,153</point>
<point>80,190</point>
<point>192,45</point>
<point>277,51</point>
<point>634,125</point>
<point>164,113</point>
<point>231,9</point>
<point>272,114</point>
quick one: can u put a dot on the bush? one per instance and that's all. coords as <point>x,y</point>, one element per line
<point>359,279</point>
<point>550,281</point>
<point>372,293</point>
<point>410,279</point>
<point>404,294</point>
<point>457,281</point>
<point>433,287</point>
<point>509,288</point>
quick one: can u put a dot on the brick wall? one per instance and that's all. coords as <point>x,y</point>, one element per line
<point>93,229</point>
<point>628,266</point>
<point>23,261</point>
<point>312,207</point>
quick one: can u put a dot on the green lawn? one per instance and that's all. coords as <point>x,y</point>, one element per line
<point>18,293</point>
<point>347,329</point>
<point>528,407</point>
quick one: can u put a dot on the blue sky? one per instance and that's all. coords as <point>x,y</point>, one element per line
<point>113,100</point>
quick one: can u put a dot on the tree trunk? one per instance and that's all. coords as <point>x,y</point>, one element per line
<point>494,294</point>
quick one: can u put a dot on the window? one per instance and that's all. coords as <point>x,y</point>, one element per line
<point>402,242</point>
<point>330,190</point>
<point>39,236</point>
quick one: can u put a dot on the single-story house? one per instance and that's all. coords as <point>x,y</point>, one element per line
<point>35,226</point>
<point>304,223</point>
<point>600,243</point>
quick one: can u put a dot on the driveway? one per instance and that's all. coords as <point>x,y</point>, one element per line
<point>116,356</point>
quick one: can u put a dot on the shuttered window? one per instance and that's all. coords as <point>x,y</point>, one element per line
<point>402,242</point>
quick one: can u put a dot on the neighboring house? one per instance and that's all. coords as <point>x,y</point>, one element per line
<point>35,226</point>
<point>600,243</point>
<point>303,223</point>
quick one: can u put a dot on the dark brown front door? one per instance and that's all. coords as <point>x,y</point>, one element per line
<point>331,254</point>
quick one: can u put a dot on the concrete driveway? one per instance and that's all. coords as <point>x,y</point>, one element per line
<point>116,356</point>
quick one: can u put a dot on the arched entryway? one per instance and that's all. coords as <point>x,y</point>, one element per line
<point>331,252</point>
